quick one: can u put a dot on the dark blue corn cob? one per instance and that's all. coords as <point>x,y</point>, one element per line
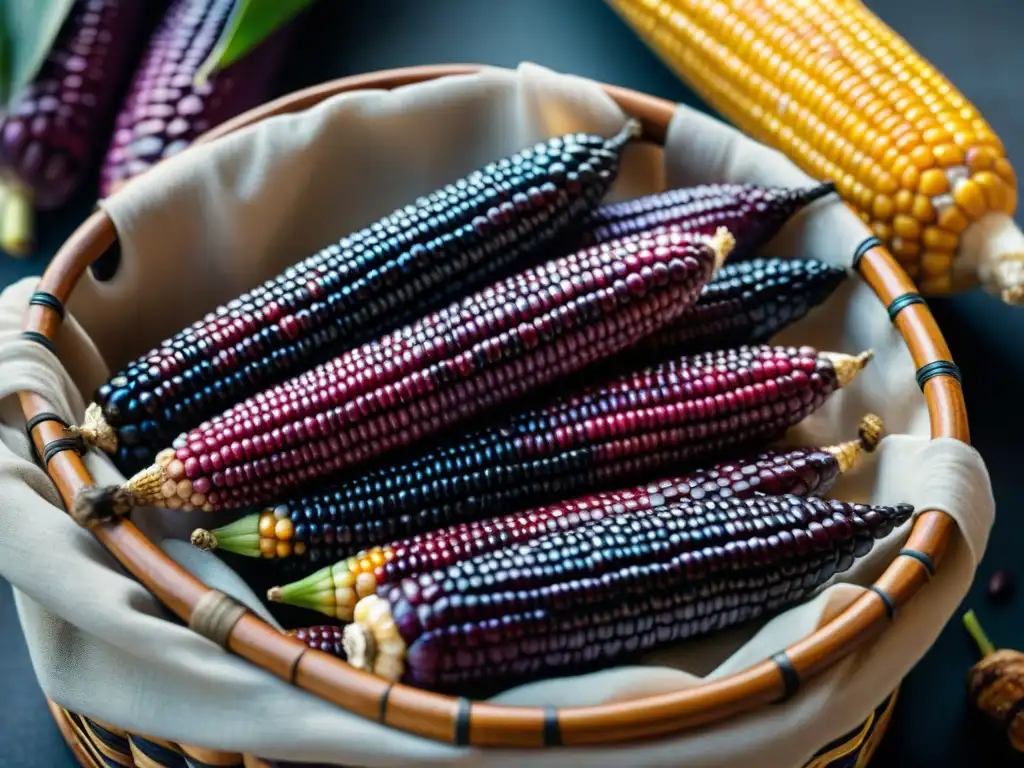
<point>335,589</point>
<point>633,428</point>
<point>587,597</point>
<point>748,302</point>
<point>420,257</point>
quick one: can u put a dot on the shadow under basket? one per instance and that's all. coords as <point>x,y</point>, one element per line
<point>458,720</point>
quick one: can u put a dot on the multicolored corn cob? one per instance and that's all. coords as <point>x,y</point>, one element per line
<point>846,98</point>
<point>746,303</point>
<point>494,221</point>
<point>587,597</point>
<point>167,107</point>
<point>753,214</point>
<point>631,428</point>
<point>335,589</point>
<point>54,127</point>
<point>485,350</point>
<point>322,637</point>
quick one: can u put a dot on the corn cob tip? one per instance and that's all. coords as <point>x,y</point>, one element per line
<point>1010,278</point>
<point>275,595</point>
<point>848,453</point>
<point>94,506</point>
<point>203,539</point>
<point>870,431</point>
<point>722,243</point>
<point>372,643</point>
<point>824,189</point>
<point>16,221</point>
<point>95,431</point>
<point>847,366</point>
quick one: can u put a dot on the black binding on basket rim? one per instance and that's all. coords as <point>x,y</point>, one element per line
<point>39,418</point>
<point>890,606</point>
<point>937,368</point>
<point>790,677</point>
<point>921,557</point>
<point>382,714</point>
<point>864,247</point>
<point>462,722</point>
<point>552,730</point>
<point>39,339</point>
<point>48,300</point>
<point>901,302</point>
<point>60,445</point>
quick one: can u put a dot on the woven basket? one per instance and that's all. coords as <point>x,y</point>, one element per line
<point>457,720</point>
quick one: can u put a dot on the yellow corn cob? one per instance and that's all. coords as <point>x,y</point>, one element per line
<point>847,99</point>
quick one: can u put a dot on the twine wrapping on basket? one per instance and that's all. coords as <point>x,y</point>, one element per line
<point>201,228</point>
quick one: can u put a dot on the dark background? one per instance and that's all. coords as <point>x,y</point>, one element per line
<point>975,44</point>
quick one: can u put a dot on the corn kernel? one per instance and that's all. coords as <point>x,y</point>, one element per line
<point>996,190</point>
<point>906,227</point>
<point>284,530</point>
<point>933,182</point>
<point>964,139</point>
<point>922,209</point>
<point>283,549</point>
<point>267,523</point>
<point>268,547</point>
<point>1005,170</point>
<point>922,157</point>
<point>935,136</point>
<point>904,249</point>
<point>937,284</point>
<point>952,219</point>
<point>883,208</point>
<point>882,231</point>
<point>904,201</point>
<point>969,196</point>
<point>908,141</point>
<point>981,158</point>
<point>948,154</point>
<point>938,239</point>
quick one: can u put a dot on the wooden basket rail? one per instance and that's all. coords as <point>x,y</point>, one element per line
<point>459,720</point>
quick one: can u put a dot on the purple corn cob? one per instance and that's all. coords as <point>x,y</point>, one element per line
<point>166,109</point>
<point>588,596</point>
<point>753,214</point>
<point>54,127</point>
<point>804,471</point>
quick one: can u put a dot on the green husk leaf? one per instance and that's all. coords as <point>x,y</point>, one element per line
<point>27,31</point>
<point>251,22</point>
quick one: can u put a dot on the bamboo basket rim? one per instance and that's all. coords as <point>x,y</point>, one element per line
<point>456,720</point>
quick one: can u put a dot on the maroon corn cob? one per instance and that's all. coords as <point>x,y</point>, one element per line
<point>335,589</point>
<point>753,214</point>
<point>485,350</point>
<point>54,127</point>
<point>586,597</point>
<point>167,109</point>
<point>321,637</point>
<point>631,428</point>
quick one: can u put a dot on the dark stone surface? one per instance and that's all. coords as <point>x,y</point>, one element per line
<point>976,44</point>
